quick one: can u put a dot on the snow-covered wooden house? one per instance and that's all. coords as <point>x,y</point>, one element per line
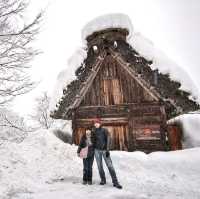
<point>120,83</point>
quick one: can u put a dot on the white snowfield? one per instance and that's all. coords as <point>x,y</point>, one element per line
<point>142,45</point>
<point>43,167</point>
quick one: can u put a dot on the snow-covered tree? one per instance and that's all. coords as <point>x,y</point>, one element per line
<point>42,112</point>
<point>16,35</point>
<point>12,126</point>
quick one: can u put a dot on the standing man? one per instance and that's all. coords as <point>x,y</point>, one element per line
<point>101,145</point>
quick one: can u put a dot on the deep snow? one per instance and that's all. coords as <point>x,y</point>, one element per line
<point>43,167</point>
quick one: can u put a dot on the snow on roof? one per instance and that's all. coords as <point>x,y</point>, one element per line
<point>142,45</point>
<point>191,124</point>
<point>163,63</point>
<point>67,75</point>
<point>107,21</point>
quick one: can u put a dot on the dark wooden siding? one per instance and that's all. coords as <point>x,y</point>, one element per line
<point>113,85</point>
<point>131,127</point>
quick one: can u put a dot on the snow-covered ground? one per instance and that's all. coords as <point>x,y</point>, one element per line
<point>43,167</point>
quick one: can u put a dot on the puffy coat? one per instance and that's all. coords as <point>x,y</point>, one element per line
<point>101,139</point>
<point>83,144</point>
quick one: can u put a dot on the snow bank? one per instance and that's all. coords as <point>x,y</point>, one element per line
<point>107,21</point>
<point>191,126</point>
<point>42,167</point>
<point>38,160</point>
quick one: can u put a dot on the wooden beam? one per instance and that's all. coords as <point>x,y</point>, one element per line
<point>122,105</point>
<point>123,110</point>
<point>105,120</point>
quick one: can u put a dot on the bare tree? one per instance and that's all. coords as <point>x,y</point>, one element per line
<point>42,112</point>
<point>15,49</point>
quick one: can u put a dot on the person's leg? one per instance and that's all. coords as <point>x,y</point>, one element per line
<point>87,168</point>
<point>98,157</point>
<point>90,164</point>
<point>84,171</point>
<point>110,166</point>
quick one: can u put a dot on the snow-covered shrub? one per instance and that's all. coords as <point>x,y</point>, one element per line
<point>12,126</point>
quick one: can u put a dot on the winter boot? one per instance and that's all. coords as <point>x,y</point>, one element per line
<point>84,182</point>
<point>89,182</point>
<point>117,185</point>
<point>103,182</point>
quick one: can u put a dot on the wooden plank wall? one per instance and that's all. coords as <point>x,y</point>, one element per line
<point>113,85</point>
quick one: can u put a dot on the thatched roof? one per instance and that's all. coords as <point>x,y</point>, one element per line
<point>113,41</point>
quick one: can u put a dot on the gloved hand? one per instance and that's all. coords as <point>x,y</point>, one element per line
<point>107,154</point>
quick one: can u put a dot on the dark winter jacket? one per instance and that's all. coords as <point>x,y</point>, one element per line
<point>101,139</point>
<point>83,144</point>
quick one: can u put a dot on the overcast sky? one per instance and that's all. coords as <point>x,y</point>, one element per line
<point>172,25</point>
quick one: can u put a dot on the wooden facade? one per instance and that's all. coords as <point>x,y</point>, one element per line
<point>133,101</point>
<point>134,119</point>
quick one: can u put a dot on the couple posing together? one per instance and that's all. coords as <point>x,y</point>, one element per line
<point>96,143</point>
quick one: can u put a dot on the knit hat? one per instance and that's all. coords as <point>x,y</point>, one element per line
<point>97,120</point>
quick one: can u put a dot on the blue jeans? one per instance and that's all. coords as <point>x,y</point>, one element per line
<point>98,156</point>
<point>87,168</point>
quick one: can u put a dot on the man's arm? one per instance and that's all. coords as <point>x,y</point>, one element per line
<point>108,139</point>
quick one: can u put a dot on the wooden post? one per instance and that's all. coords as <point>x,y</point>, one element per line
<point>131,133</point>
<point>73,127</point>
<point>163,127</point>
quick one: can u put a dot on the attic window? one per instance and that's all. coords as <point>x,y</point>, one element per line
<point>115,44</point>
<point>95,49</point>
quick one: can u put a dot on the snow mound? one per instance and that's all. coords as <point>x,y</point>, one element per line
<point>191,125</point>
<point>107,21</point>
<point>38,160</point>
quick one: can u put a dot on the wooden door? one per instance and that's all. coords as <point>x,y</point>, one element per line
<point>78,134</point>
<point>118,134</point>
<point>119,137</point>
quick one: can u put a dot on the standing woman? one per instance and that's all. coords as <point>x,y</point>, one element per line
<point>86,152</point>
